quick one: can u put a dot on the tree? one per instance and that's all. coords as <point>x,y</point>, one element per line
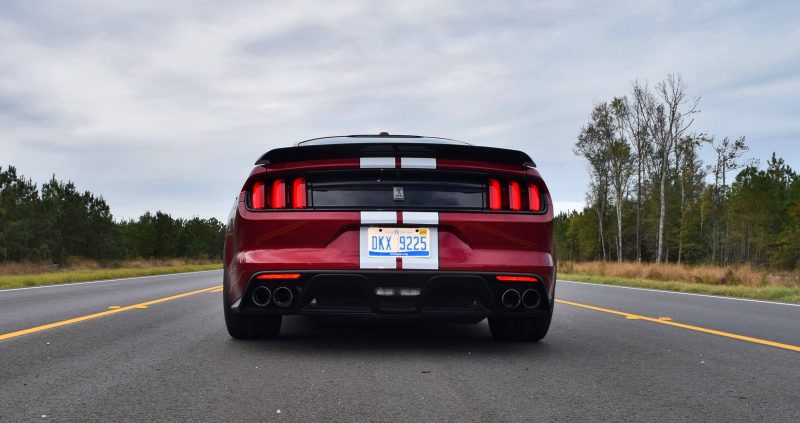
<point>619,163</point>
<point>637,132</point>
<point>594,145</point>
<point>728,154</point>
<point>688,170</point>
<point>668,117</point>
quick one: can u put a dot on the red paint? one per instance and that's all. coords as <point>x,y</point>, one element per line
<point>308,240</point>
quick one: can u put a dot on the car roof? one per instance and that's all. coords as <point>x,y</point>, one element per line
<point>383,137</point>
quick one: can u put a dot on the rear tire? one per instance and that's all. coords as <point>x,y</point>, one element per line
<point>243,326</point>
<point>529,329</point>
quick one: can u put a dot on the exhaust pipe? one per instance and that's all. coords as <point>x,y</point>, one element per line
<point>531,298</point>
<point>261,296</point>
<point>510,299</point>
<point>283,297</point>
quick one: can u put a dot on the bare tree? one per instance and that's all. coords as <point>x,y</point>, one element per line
<point>619,162</point>
<point>668,118</point>
<point>635,124</point>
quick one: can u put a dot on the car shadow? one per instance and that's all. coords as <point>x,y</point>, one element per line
<point>341,336</point>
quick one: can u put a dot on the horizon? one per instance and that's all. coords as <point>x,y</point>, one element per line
<point>163,107</point>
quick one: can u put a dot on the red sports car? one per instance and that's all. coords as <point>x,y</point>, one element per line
<point>391,226</point>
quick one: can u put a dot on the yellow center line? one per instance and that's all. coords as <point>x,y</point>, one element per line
<point>10,335</point>
<point>664,321</point>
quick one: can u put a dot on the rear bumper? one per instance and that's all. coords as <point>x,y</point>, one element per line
<point>441,294</point>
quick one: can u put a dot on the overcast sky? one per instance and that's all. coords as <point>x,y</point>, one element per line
<point>165,106</point>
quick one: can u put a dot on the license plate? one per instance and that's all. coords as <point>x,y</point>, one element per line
<point>399,242</point>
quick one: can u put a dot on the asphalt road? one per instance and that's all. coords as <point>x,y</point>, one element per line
<point>172,360</point>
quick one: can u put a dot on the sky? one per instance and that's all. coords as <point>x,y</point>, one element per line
<point>167,105</point>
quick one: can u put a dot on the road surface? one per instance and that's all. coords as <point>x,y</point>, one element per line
<point>155,349</point>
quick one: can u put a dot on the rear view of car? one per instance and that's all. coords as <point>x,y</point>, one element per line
<point>388,226</point>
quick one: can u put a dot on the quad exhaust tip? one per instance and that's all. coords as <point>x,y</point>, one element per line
<point>511,299</point>
<point>531,298</point>
<point>261,296</point>
<point>283,297</point>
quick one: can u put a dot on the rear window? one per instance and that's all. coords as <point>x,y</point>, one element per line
<point>387,193</point>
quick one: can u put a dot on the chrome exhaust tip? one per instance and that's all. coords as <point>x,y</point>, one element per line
<point>531,298</point>
<point>283,297</point>
<point>510,299</point>
<point>261,296</point>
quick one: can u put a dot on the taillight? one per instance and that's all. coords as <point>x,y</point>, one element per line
<point>514,196</point>
<point>278,194</point>
<point>495,199</point>
<point>299,193</point>
<point>259,196</point>
<point>278,276</point>
<point>534,199</point>
<point>512,278</point>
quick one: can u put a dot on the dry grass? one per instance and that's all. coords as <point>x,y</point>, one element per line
<point>77,263</point>
<point>744,275</point>
<point>740,281</point>
<point>16,275</point>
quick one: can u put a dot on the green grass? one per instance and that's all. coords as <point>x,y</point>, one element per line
<point>768,292</point>
<point>83,275</point>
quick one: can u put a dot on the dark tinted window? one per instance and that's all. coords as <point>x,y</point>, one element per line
<point>382,194</point>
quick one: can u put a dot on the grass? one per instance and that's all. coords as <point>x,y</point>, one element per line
<point>27,274</point>
<point>740,282</point>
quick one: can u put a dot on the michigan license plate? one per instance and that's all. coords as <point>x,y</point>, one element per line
<point>399,242</point>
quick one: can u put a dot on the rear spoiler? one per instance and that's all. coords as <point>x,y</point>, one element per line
<point>404,149</point>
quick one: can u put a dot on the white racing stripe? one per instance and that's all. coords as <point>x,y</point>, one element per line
<point>420,218</point>
<point>417,163</point>
<point>378,217</point>
<point>377,163</point>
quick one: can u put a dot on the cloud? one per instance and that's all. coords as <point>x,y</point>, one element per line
<point>166,105</point>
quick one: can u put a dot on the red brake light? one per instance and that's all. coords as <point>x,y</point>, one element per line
<point>514,197</point>
<point>299,193</point>
<point>278,276</point>
<point>534,199</point>
<point>509,278</point>
<point>495,200</point>
<point>279,194</point>
<point>258,198</point>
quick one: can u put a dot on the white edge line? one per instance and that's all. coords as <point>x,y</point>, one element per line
<point>682,293</point>
<point>105,280</point>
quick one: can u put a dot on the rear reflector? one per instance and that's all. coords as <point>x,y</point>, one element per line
<point>258,195</point>
<point>278,194</point>
<point>495,200</point>
<point>299,193</point>
<point>278,276</point>
<point>534,200</point>
<point>510,278</point>
<point>514,196</point>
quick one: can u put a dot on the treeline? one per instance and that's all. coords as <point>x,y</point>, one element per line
<point>59,222</point>
<point>652,198</point>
